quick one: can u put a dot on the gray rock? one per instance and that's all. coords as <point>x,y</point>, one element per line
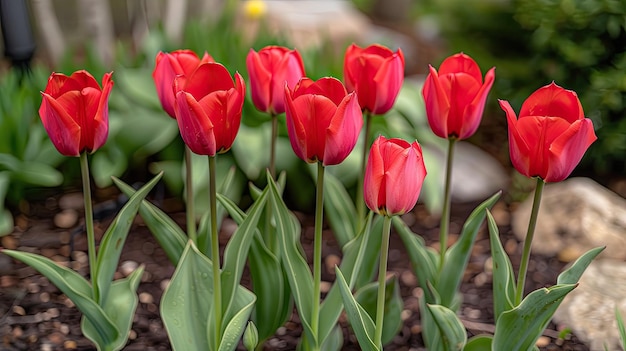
<point>475,174</point>
<point>589,310</point>
<point>575,216</point>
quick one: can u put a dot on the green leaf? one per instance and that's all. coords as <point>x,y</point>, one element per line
<point>519,328</point>
<point>186,302</point>
<point>451,330</point>
<point>236,253</point>
<point>167,232</point>
<point>40,174</point>
<point>294,264</point>
<point>479,343</point>
<point>423,259</point>
<point>119,307</point>
<point>360,320</point>
<point>503,276</point>
<point>458,255</point>
<point>78,290</point>
<point>576,270</point>
<point>621,327</point>
<point>339,210</point>
<point>334,340</point>
<point>113,240</point>
<point>355,256</point>
<point>243,302</point>
<point>367,297</point>
<point>250,337</point>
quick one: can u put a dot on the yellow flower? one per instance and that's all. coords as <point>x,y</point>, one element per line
<point>255,9</point>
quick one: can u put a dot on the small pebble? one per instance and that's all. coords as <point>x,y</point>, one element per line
<point>406,314</point>
<point>9,242</point>
<point>19,310</point>
<point>128,267</point>
<point>543,341</point>
<point>70,345</point>
<point>332,261</point>
<point>66,219</point>
<point>408,278</point>
<point>164,283</point>
<point>325,286</point>
<point>46,347</point>
<point>73,201</point>
<point>145,297</point>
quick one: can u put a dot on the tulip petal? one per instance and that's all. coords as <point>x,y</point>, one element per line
<point>388,79</point>
<point>343,131</point>
<point>63,130</point>
<point>461,89</point>
<point>461,63</point>
<point>437,104</point>
<point>568,149</point>
<point>290,70</point>
<point>374,180</point>
<point>101,118</point>
<point>295,125</point>
<point>196,128</point>
<point>260,78</point>
<point>554,101</point>
<point>405,175</point>
<point>207,78</point>
<point>474,111</point>
<point>518,148</point>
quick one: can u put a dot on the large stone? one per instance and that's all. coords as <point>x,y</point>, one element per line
<point>589,310</point>
<point>476,175</point>
<point>575,216</point>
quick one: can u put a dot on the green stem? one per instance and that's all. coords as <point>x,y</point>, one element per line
<point>445,214</point>
<point>317,249</point>
<point>360,203</point>
<point>191,216</point>
<point>91,237</point>
<point>382,275</point>
<point>215,253</point>
<point>273,145</point>
<point>523,267</point>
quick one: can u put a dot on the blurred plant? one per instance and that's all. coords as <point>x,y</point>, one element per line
<point>26,158</point>
<point>577,43</point>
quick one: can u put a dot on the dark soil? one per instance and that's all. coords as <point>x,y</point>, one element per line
<point>34,315</point>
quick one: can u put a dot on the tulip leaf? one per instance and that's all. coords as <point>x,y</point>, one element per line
<point>503,276</point>
<point>576,270</point>
<point>186,305</point>
<point>40,174</point>
<point>334,340</point>
<point>367,297</point>
<point>479,343</point>
<point>242,304</point>
<point>355,255</point>
<point>110,161</point>
<point>114,238</point>
<point>458,255</point>
<point>120,307</point>
<point>360,320</point>
<point>340,210</point>
<point>519,328</point>
<point>167,232</point>
<point>236,253</point>
<point>294,264</point>
<point>6,218</point>
<point>621,327</point>
<point>424,260</point>
<point>452,334</point>
<point>77,289</point>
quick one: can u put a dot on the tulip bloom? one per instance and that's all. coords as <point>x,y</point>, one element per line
<point>376,74</point>
<point>269,69</point>
<point>455,96</point>
<point>551,134</point>
<point>75,112</point>
<point>170,65</point>
<point>208,108</point>
<point>323,120</point>
<point>393,177</point>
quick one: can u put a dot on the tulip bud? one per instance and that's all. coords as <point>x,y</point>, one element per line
<point>208,108</point>
<point>167,67</point>
<point>394,176</point>
<point>455,96</point>
<point>269,70</point>
<point>75,112</point>
<point>376,74</point>
<point>551,134</point>
<point>323,120</point>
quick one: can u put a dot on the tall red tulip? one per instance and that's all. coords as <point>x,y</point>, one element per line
<point>75,112</point>
<point>167,67</point>
<point>551,134</point>
<point>323,120</point>
<point>269,70</point>
<point>208,108</point>
<point>455,96</point>
<point>376,74</point>
<point>394,176</point>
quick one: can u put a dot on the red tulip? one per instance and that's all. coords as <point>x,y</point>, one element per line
<point>75,112</point>
<point>269,69</point>
<point>394,175</point>
<point>323,120</point>
<point>455,96</point>
<point>376,74</point>
<point>551,134</point>
<point>208,108</point>
<point>170,65</point>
